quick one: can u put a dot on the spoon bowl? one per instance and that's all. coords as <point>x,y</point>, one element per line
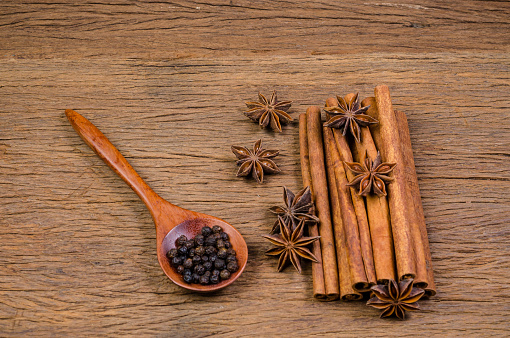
<point>170,220</point>
<point>190,229</point>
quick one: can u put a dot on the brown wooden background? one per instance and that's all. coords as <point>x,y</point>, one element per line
<point>166,82</point>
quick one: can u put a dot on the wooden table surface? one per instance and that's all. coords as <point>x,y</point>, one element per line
<point>166,82</point>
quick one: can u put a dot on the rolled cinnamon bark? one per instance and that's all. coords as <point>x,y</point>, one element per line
<point>387,139</point>
<point>321,200</point>
<point>357,202</point>
<point>414,206</point>
<point>347,291</point>
<point>350,222</point>
<point>319,290</point>
<point>378,216</point>
<point>380,226</point>
<point>418,231</point>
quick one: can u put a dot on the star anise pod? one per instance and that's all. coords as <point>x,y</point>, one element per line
<point>269,112</point>
<point>371,176</point>
<point>349,115</point>
<point>395,299</point>
<point>297,207</point>
<point>255,162</point>
<point>291,245</point>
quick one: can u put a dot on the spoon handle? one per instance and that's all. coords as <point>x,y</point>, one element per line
<point>107,151</point>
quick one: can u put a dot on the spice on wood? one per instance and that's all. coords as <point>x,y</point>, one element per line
<point>371,176</point>
<point>386,135</point>
<point>395,299</point>
<point>297,207</point>
<point>321,200</point>
<point>256,162</point>
<point>349,115</point>
<point>357,257</point>
<point>347,291</point>
<point>319,288</point>
<point>291,245</point>
<point>270,112</point>
<point>377,211</point>
<point>424,273</point>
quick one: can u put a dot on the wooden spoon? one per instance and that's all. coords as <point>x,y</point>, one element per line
<point>171,221</point>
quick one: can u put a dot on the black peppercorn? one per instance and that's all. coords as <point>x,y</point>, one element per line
<point>220,243</point>
<point>231,252</point>
<point>196,277</point>
<point>231,258</point>
<point>199,240</point>
<point>224,236</point>
<point>207,273</point>
<point>216,229</point>
<point>232,266</point>
<point>188,263</point>
<point>214,279</point>
<point>190,244</point>
<point>176,261</point>
<point>208,265</point>
<point>216,236</point>
<point>213,258</point>
<point>197,259</point>
<point>186,272</point>
<point>180,269</point>
<point>200,250</point>
<point>210,241</point>
<point>228,245</point>
<point>210,250</point>
<point>206,231</point>
<point>205,258</point>
<point>171,253</point>
<point>188,279</point>
<point>222,253</point>
<point>182,250</point>
<point>181,240</point>
<point>224,274</point>
<point>204,279</point>
<point>216,272</point>
<point>219,264</point>
<point>191,252</point>
<point>199,269</point>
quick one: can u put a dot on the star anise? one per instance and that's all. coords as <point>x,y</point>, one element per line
<point>269,112</point>
<point>255,162</point>
<point>371,176</point>
<point>297,207</point>
<point>291,245</point>
<point>349,115</point>
<point>395,299</point>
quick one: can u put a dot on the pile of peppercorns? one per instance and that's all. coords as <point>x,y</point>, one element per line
<point>208,258</point>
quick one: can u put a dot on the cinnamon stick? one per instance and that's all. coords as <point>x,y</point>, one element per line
<point>357,202</point>
<point>419,232</point>
<point>387,139</point>
<point>320,189</point>
<point>350,222</point>
<point>347,291</point>
<point>380,230</point>
<point>378,216</point>
<point>319,290</point>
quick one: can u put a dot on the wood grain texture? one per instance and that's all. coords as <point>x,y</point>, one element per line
<point>167,86</point>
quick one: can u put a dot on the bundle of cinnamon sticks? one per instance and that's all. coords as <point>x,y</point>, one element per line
<point>365,240</point>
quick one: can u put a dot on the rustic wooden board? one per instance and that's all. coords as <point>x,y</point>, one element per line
<point>166,83</point>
